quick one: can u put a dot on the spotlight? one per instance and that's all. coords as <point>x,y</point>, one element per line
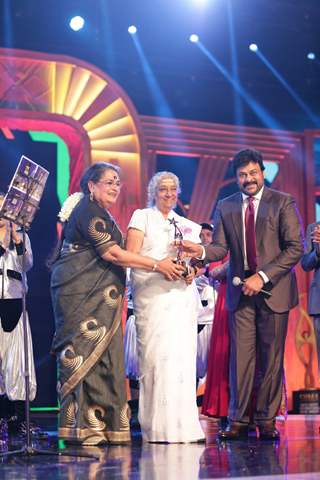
<point>132,29</point>
<point>253,47</point>
<point>311,56</point>
<point>76,23</point>
<point>194,38</point>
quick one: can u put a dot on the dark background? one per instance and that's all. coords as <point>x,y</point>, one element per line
<point>285,30</point>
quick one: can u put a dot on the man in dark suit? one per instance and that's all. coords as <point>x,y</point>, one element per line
<point>311,262</point>
<point>260,228</point>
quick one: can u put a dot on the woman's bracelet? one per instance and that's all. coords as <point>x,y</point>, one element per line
<point>155,267</point>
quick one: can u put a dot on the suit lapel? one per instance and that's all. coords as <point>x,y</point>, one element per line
<point>237,219</point>
<point>263,209</point>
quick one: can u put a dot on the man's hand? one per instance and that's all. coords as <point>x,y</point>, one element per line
<point>315,237</point>
<point>190,248</point>
<point>191,275</point>
<point>170,270</point>
<point>252,285</point>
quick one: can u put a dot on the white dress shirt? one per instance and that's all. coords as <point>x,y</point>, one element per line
<point>256,203</point>
<point>245,202</point>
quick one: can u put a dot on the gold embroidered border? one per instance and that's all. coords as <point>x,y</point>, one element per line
<point>119,436</point>
<point>72,382</point>
<point>87,433</point>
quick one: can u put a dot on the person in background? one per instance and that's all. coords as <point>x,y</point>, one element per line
<point>12,379</point>
<point>206,233</point>
<point>131,356</point>
<point>208,297</point>
<point>311,262</point>
<point>216,395</point>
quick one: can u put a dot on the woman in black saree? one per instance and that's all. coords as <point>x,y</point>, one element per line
<point>87,289</point>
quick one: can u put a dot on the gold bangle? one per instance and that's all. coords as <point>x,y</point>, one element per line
<point>155,266</point>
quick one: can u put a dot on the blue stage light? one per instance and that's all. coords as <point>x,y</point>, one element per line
<point>253,47</point>
<point>311,56</point>
<point>132,29</point>
<point>76,23</point>
<point>194,38</point>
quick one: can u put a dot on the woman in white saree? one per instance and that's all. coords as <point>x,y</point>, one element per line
<point>166,321</point>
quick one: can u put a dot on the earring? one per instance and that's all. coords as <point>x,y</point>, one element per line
<point>91,196</point>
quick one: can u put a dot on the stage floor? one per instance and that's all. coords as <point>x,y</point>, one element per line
<point>296,456</point>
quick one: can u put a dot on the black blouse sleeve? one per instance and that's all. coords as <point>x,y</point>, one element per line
<point>96,228</point>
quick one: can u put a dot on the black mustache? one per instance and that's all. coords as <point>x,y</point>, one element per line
<point>246,184</point>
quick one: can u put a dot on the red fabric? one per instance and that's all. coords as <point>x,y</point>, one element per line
<point>216,396</point>
<point>250,236</point>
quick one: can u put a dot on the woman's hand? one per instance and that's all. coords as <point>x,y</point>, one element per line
<point>5,233</point>
<point>16,237</point>
<point>171,270</point>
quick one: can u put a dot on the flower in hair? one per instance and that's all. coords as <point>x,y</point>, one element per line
<point>68,206</point>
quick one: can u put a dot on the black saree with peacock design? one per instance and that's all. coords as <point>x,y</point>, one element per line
<point>87,294</point>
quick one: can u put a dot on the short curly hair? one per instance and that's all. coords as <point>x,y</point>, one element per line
<point>154,184</point>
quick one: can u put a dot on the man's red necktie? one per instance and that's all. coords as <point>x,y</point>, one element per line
<point>250,236</point>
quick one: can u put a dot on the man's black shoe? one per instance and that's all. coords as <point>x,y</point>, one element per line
<point>268,431</point>
<point>234,431</point>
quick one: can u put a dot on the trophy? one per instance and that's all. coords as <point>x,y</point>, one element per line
<point>179,257</point>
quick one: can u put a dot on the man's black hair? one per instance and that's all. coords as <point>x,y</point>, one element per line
<point>246,156</point>
<point>207,226</point>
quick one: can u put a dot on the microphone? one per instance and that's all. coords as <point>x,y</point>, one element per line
<point>236,282</point>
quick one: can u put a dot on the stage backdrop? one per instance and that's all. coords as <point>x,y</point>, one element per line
<point>93,119</point>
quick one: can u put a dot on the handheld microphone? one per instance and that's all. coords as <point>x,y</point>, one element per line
<point>236,282</point>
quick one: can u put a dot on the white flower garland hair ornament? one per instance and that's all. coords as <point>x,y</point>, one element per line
<point>68,206</point>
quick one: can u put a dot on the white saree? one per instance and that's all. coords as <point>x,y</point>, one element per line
<point>166,321</point>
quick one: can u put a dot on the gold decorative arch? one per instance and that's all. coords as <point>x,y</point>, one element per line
<point>55,92</point>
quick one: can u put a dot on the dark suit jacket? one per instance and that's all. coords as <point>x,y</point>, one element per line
<point>311,261</point>
<point>279,244</point>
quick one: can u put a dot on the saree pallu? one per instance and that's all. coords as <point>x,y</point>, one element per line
<point>87,295</point>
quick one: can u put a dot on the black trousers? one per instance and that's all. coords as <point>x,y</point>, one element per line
<point>256,333</point>
<point>10,312</point>
<point>10,408</point>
